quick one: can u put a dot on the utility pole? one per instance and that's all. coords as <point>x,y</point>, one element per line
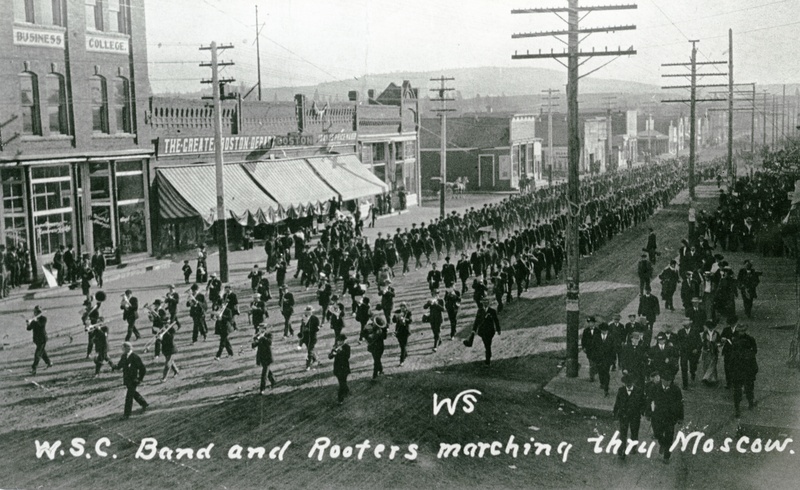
<point>783,113</point>
<point>258,53</point>
<point>443,110</point>
<point>693,100</point>
<point>574,143</point>
<point>550,159</point>
<point>774,120</point>
<point>753,124</point>
<point>764,122</point>
<point>216,85</point>
<point>610,100</point>
<point>731,169</point>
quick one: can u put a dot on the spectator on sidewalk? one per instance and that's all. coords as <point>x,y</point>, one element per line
<point>644,270</point>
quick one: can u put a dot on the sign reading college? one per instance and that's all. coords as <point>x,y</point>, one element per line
<point>189,145</point>
<point>104,43</point>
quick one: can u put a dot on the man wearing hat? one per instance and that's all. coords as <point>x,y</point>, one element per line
<point>39,327</point>
<point>448,273</point>
<point>669,283</point>
<point>617,331</point>
<point>696,314</point>
<point>324,292</point>
<point>464,270</point>
<point>263,343</point>
<point>375,345</point>
<point>214,288</point>
<point>663,356</point>
<point>435,317</point>
<point>604,354</point>
<point>633,358</point>
<point>744,367</point>
<point>748,281</point>
<point>309,327</point>
<point>133,371</point>
<point>486,325</point>
<point>588,345</point>
<point>689,345</point>
<point>341,364</point>
<point>665,409</point>
<point>402,329</point>
<point>649,307</point>
<point>628,409</point>
<point>335,315</point>
<point>726,337</point>
<point>258,311</point>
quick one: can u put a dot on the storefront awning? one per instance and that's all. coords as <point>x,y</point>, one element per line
<point>190,191</point>
<point>293,184</point>
<point>346,174</point>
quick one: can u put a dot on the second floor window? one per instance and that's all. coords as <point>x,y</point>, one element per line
<point>29,103</point>
<point>122,105</point>
<point>99,104</point>
<point>56,104</point>
<point>45,12</point>
<point>94,15</point>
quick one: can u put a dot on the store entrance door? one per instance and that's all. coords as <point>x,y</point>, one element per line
<point>103,231</point>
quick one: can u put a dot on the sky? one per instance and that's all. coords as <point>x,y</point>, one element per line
<point>305,42</point>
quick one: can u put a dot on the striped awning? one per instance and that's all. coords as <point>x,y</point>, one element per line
<point>293,184</point>
<point>348,176</point>
<point>190,191</point>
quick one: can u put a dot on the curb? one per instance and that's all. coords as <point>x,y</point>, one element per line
<point>50,293</point>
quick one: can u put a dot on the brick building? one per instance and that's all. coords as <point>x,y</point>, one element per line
<point>74,149</point>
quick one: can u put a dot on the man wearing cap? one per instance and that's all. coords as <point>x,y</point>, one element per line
<point>588,345</point>
<point>665,408</point>
<point>255,276</point>
<point>464,270</point>
<point>197,311</point>
<point>133,371</point>
<point>663,356</point>
<point>341,365</point>
<point>435,317</point>
<point>258,311</point>
<point>689,345</point>
<point>628,409</point>
<point>309,327</point>
<point>448,273</point>
<point>744,367</point>
<point>172,299</point>
<point>434,278</point>
<point>604,354</point>
<point>486,325</point>
<point>387,303</point>
<point>402,329</point>
<point>375,345</point>
<point>39,327</point>
<point>644,270</point>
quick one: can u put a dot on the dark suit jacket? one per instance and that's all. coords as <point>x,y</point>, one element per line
<point>39,330</point>
<point>649,307</point>
<point>133,369</point>
<point>668,404</point>
<point>341,361</point>
<point>487,323</point>
<point>604,351</point>
<point>630,407</point>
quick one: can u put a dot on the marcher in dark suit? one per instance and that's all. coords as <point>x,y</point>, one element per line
<point>628,409</point>
<point>130,313</point>
<point>633,358</point>
<point>665,409</point>
<point>644,269</point>
<point>452,302</point>
<point>435,318</point>
<point>402,329</point>
<point>263,343</point>
<point>39,327</point>
<point>341,365</point>
<point>651,247</point>
<point>375,344</point>
<point>744,367</point>
<point>617,331</point>
<point>649,307</point>
<point>464,270</point>
<point>669,283</point>
<point>448,273</point>
<point>588,344</point>
<point>133,372</point>
<point>99,267</point>
<point>726,338</point>
<point>486,325</point>
<point>224,327</point>
<point>663,356</point>
<point>604,353</point>
<point>748,281</point>
<point>690,346</point>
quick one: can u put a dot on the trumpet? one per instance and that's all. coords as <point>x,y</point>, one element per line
<point>125,303</point>
<point>260,335</point>
<point>36,317</point>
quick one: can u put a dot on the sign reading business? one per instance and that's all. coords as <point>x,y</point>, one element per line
<point>35,36</point>
<point>199,145</point>
<point>103,43</point>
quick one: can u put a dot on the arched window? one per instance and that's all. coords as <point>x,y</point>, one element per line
<point>29,103</point>
<point>57,104</point>
<point>122,105</point>
<point>97,86</point>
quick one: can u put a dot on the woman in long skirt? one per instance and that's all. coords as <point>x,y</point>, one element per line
<point>710,354</point>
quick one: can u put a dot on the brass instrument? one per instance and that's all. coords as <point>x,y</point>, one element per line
<point>36,317</point>
<point>125,304</point>
<point>92,327</point>
<point>159,335</point>
<point>260,335</point>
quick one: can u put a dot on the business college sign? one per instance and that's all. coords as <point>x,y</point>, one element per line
<point>34,36</point>
<point>189,145</point>
<point>103,43</point>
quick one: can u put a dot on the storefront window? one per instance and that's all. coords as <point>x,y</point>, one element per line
<point>379,152</point>
<point>130,187</point>
<point>52,207</point>
<point>380,172</point>
<point>14,224</point>
<point>399,155</point>
<point>132,234</point>
<point>99,181</point>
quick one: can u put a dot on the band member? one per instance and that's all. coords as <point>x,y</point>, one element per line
<point>486,325</point>
<point>309,328</point>
<point>341,365</point>
<point>133,372</point>
<point>101,349</point>
<point>324,295</point>
<point>375,345</point>
<point>86,276</point>
<point>402,329</point>
<point>434,317</point>
<point>130,313</point>
<point>255,276</point>
<point>197,311</point>
<point>91,316</point>
<point>159,319</point>
<point>448,273</point>
<point>434,278</point>
<point>263,289</point>
<point>263,341</point>
<point>169,350</point>
<point>464,270</point>
<point>258,311</point>
<point>172,299</point>
<point>214,288</point>
<point>39,324</point>
<point>452,302</point>
<point>187,271</point>
<point>287,309</point>
<point>224,327</point>
<point>231,302</point>
<point>363,315</point>
<point>387,303</point>
<point>335,315</point>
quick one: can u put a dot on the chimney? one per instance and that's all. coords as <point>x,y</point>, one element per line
<point>300,108</point>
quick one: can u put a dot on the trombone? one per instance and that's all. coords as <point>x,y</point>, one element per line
<point>160,335</point>
<point>28,321</point>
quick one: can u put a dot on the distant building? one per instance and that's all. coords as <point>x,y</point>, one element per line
<point>493,152</point>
